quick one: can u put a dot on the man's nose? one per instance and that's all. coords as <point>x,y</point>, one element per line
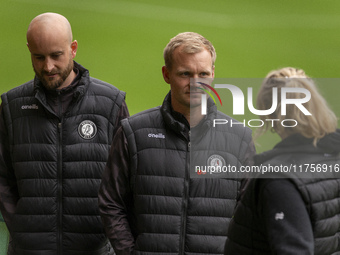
<point>48,65</point>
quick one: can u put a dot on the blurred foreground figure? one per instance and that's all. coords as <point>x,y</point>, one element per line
<point>55,136</point>
<point>296,212</point>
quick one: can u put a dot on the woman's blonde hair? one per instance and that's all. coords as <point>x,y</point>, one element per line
<point>322,120</point>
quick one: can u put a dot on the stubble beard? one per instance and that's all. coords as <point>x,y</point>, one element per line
<point>55,82</point>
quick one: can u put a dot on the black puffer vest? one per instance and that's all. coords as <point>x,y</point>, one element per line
<point>247,234</point>
<point>174,212</point>
<point>58,164</point>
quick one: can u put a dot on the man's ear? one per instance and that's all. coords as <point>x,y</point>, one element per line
<point>74,48</point>
<point>165,73</point>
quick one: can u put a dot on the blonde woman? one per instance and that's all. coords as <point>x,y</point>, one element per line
<point>295,214</point>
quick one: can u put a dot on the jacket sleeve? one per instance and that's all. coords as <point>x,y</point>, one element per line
<point>8,187</point>
<point>122,114</point>
<point>115,197</point>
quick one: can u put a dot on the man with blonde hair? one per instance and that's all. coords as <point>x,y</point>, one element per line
<point>55,134</point>
<point>148,201</point>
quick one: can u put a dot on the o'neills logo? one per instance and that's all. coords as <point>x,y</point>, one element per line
<point>30,107</point>
<point>159,136</point>
<point>87,129</point>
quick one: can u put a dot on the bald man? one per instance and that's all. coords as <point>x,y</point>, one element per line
<point>55,134</point>
<point>49,39</point>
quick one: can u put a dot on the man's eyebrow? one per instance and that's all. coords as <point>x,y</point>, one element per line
<point>206,71</point>
<point>52,53</point>
<point>57,52</point>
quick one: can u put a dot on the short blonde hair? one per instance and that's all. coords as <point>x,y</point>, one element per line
<point>322,121</point>
<point>192,42</point>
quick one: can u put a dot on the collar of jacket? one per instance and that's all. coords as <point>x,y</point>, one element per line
<point>329,144</point>
<point>179,124</point>
<point>39,89</point>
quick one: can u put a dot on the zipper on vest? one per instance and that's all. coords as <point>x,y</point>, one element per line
<point>60,193</point>
<point>185,200</point>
